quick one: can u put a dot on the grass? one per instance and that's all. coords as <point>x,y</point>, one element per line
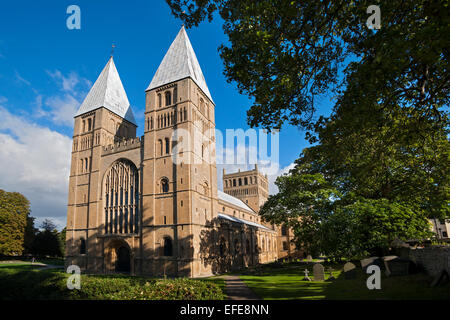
<point>25,281</point>
<point>286,282</point>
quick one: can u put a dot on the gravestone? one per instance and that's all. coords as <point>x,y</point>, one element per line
<point>309,257</point>
<point>331,277</point>
<point>319,272</point>
<point>306,278</point>
<point>396,266</point>
<point>365,263</point>
<point>349,270</point>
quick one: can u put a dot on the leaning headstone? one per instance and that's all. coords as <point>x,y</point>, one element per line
<point>319,272</point>
<point>365,263</point>
<point>349,270</point>
<point>396,266</point>
<point>306,278</point>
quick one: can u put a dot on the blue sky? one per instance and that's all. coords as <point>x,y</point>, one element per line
<point>46,70</point>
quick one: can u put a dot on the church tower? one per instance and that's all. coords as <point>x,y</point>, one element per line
<point>251,186</point>
<point>180,191</point>
<point>103,118</point>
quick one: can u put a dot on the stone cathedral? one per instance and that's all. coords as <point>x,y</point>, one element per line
<point>133,209</point>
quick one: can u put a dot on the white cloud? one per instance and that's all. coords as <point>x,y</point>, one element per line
<point>62,108</point>
<point>20,79</point>
<point>35,161</point>
<point>70,82</point>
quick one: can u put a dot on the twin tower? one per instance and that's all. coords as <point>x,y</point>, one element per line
<point>150,205</point>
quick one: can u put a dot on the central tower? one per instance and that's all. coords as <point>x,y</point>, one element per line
<point>180,191</point>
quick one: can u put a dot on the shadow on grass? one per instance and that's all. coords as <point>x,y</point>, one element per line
<point>286,282</point>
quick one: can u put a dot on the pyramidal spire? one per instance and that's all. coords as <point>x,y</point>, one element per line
<point>180,62</point>
<point>108,92</point>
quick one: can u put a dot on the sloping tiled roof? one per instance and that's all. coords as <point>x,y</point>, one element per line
<point>234,219</point>
<point>180,62</point>
<point>234,201</point>
<point>108,92</point>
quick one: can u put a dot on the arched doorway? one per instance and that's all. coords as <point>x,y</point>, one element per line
<point>123,259</point>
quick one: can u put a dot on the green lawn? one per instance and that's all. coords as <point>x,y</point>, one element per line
<point>271,282</point>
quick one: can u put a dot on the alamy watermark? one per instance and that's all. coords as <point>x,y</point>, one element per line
<point>74,20</point>
<point>374,20</point>
<point>74,280</point>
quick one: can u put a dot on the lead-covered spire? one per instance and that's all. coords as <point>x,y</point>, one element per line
<point>180,62</point>
<point>108,92</point>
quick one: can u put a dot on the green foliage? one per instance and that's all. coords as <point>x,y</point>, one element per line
<point>285,53</point>
<point>48,241</point>
<point>25,283</point>
<point>14,211</point>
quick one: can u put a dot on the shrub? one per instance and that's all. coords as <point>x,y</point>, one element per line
<point>26,283</point>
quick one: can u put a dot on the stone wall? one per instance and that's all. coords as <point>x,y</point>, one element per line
<point>432,259</point>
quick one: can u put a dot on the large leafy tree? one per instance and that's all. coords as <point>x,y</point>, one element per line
<point>48,241</point>
<point>286,53</point>
<point>14,212</point>
<point>378,167</point>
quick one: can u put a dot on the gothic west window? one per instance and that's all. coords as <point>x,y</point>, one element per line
<point>167,247</point>
<point>122,198</point>
<point>168,98</point>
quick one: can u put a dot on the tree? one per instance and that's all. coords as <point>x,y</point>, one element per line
<point>62,240</point>
<point>14,211</point>
<point>381,158</point>
<point>284,54</point>
<point>29,236</point>
<point>47,240</point>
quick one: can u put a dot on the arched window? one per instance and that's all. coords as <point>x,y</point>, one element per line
<point>167,145</point>
<point>122,198</point>
<point>245,181</point>
<point>84,126</point>
<point>240,182</point>
<point>82,246</point>
<point>159,100</point>
<point>234,182</point>
<point>202,106</point>
<point>161,147</point>
<point>205,188</point>
<point>168,98</point>
<point>167,247</point>
<point>283,230</point>
<point>165,185</point>
<point>89,124</point>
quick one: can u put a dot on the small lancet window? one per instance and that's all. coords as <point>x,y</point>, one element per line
<point>168,97</point>
<point>167,247</point>
<point>82,246</point>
